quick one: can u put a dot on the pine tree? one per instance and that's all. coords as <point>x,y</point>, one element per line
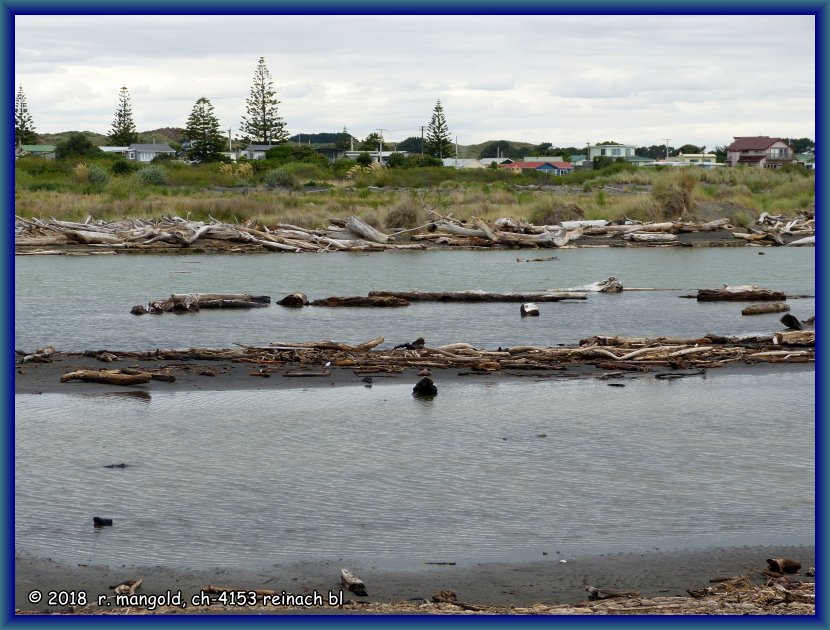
<point>24,127</point>
<point>437,142</point>
<point>263,125</point>
<point>123,132</point>
<point>206,139</point>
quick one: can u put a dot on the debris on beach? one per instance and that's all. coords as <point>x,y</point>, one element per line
<point>193,302</point>
<point>352,583</point>
<point>763,309</point>
<point>740,293</point>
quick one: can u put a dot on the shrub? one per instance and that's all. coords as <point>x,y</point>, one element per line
<point>407,213</point>
<point>550,211</point>
<point>81,171</point>
<point>96,175</point>
<point>121,167</point>
<point>279,177</point>
<point>153,175</point>
<point>676,194</point>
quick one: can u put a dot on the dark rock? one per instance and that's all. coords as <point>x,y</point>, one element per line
<point>425,387</point>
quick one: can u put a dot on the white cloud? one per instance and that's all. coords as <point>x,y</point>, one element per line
<point>562,79</point>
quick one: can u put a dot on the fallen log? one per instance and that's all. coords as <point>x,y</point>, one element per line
<point>478,296</point>
<point>795,338</point>
<point>352,583</point>
<point>109,377</point>
<point>763,309</point>
<point>383,301</point>
<point>740,293</point>
<point>809,240</point>
<point>364,230</point>
<point>655,237</point>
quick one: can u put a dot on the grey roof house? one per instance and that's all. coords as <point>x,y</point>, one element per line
<point>146,152</point>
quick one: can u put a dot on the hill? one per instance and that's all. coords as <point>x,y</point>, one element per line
<point>164,135</point>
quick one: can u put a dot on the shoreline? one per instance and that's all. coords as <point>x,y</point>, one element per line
<point>547,582</point>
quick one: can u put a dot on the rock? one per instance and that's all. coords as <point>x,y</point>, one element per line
<point>529,309</point>
<point>294,300</point>
<point>425,387</point>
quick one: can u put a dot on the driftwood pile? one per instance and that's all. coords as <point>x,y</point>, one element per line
<point>193,302</point>
<point>612,356</point>
<point>35,236</point>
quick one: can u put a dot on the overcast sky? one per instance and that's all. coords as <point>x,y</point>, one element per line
<point>566,80</point>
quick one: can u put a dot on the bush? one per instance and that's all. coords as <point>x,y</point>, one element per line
<point>96,175</point>
<point>364,159</point>
<point>279,177</point>
<point>121,167</point>
<point>551,211</point>
<point>153,176</point>
<point>407,213</point>
<point>676,194</point>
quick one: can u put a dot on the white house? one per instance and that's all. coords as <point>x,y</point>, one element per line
<point>463,163</point>
<point>122,151</point>
<point>612,151</point>
<point>146,152</point>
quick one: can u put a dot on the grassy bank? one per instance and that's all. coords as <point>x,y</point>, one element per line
<point>307,194</point>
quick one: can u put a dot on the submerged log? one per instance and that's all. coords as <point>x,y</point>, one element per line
<point>763,309</point>
<point>380,301</point>
<point>740,293</point>
<point>478,296</point>
<point>109,377</point>
<point>294,300</point>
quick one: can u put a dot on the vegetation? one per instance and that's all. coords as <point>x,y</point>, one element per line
<point>262,124</point>
<point>123,132</point>
<point>206,140</point>
<point>24,127</point>
<point>75,146</point>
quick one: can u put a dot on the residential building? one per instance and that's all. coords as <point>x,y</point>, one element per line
<point>122,151</point>
<point>543,158</point>
<point>37,150</point>
<point>759,152</point>
<point>463,163</point>
<point>377,156</point>
<point>554,168</point>
<point>495,160</point>
<point>147,152</point>
<point>807,160</point>
<point>695,158</point>
<point>257,151</point>
<point>612,151</point>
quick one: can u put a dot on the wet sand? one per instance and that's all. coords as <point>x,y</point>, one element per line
<point>548,581</point>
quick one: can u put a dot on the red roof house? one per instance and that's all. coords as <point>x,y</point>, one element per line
<point>760,152</point>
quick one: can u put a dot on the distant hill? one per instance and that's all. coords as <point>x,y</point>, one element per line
<point>165,135</point>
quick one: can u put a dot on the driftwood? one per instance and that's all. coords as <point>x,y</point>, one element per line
<point>366,231</point>
<point>740,293</point>
<point>110,377</point>
<point>382,301</point>
<point>763,309</point>
<point>478,296</point>
<point>193,302</point>
<point>352,583</point>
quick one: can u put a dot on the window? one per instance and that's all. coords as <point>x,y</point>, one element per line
<point>132,155</point>
<point>602,151</point>
<point>615,152</point>
<point>629,152</point>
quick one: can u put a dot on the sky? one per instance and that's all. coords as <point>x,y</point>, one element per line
<point>568,80</point>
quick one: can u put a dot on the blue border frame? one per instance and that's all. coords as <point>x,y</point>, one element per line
<point>9,8</point>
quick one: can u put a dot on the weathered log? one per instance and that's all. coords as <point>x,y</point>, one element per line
<point>609,285</point>
<point>84,236</point>
<point>740,293</point>
<point>650,237</point>
<point>382,301</point>
<point>294,300</point>
<point>109,377</point>
<point>204,297</point>
<point>352,583</point>
<point>308,373</point>
<point>41,355</point>
<point>478,296</point>
<point>529,309</point>
<point>809,240</point>
<point>364,230</point>
<point>459,230</point>
<point>230,304</point>
<point>795,338</point>
<point>763,309</point>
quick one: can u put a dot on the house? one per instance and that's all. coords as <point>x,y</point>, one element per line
<point>759,152</point>
<point>257,151</point>
<point>495,160</point>
<point>543,158</point>
<point>377,156</point>
<point>639,160</point>
<point>554,168</point>
<point>147,152</point>
<point>463,163</point>
<point>37,150</point>
<point>807,160</point>
<point>695,158</point>
<point>122,151</point>
<point>612,151</point>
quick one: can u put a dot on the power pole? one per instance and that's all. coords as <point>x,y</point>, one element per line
<point>667,147</point>
<point>422,139</point>
<point>380,150</point>
<point>230,148</point>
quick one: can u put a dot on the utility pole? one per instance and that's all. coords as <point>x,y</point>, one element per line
<point>230,148</point>
<point>422,139</point>
<point>456,152</point>
<point>667,147</point>
<point>380,150</point>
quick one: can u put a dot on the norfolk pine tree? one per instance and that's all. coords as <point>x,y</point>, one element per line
<point>204,134</point>
<point>263,125</point>
<point>24,127</point>
<point>123,132</point>
<point>437,142</point>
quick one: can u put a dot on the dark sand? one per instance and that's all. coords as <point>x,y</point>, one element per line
<point>548,581</point>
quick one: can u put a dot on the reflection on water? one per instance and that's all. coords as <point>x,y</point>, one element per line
<point>499,472</point>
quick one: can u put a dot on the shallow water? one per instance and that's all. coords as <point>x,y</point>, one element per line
<point>268,477</point>
<point>84,303</point>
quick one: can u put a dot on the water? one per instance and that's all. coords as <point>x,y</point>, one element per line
<point>77,304</point>
<point>263,477</point>
<point>270,477</point>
